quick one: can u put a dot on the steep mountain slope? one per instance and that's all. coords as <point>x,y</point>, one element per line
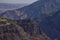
<point>38,11</point>
<point>52,25</point>
<point>10,30</point>
<point>30,26</point>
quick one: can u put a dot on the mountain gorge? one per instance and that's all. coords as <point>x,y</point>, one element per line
<point>46,13</point>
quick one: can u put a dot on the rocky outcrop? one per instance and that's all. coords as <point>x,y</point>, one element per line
<point>17,32</point>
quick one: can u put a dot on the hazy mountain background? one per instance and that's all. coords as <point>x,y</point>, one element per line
<point>10,6</point>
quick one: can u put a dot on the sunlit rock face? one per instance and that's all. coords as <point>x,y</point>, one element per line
<point>14,31</point>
